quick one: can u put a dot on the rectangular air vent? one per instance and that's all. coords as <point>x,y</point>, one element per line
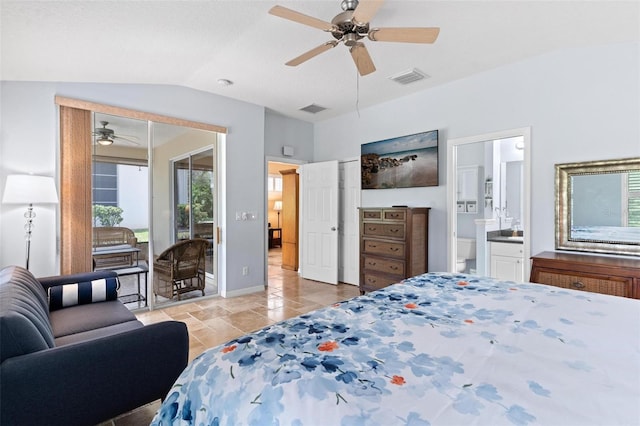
<point>409,76</point>
<point>313,109</point>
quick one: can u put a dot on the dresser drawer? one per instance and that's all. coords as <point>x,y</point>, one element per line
<point>388,230</point>
<point>384,248</point>
<point>388,266</point>
<point>371,282</point>
<point>372,214</point>
<point>615,286</point>
<point>390,215</point>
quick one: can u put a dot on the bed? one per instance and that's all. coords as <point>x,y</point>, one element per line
<point>435,349</point>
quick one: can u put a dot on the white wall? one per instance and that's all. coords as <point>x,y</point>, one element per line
<point>29,143</point>
<point>582,104</point>
<point>133,185</point>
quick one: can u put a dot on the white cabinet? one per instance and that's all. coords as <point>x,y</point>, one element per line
<point>507,261</point>
<point>467,189</point>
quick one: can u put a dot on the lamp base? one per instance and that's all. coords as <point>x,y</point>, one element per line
<point>29,215</point>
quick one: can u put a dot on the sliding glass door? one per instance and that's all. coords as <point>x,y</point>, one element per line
<point>194,199</point>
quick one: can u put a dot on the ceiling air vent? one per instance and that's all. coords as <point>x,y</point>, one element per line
<point>313,109</point>
<point>408,76</point>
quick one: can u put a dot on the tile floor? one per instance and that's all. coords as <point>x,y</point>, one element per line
<point>215,321</point>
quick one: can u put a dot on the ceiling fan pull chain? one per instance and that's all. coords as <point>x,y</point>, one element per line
<point>358,93</point>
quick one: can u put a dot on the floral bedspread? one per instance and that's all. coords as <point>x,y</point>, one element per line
<point>435,349</point>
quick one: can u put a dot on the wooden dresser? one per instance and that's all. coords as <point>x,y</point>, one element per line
<point>598,274</point>
<point>393,245</point>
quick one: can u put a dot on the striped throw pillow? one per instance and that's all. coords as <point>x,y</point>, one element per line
<point>63,296</point>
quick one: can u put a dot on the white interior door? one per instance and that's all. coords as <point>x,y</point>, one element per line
<point>349,226</point>
<point>319,221</point>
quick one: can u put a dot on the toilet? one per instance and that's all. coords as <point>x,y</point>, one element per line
<point>466,250</point>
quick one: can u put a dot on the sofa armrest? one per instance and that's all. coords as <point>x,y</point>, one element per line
<point>93,381</point>
<point>75,278</point>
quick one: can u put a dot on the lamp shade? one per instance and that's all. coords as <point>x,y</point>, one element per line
<point>277,206</point>
<point>29,189</point>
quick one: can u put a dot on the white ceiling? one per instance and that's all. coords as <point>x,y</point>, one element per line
<point>195,43</point>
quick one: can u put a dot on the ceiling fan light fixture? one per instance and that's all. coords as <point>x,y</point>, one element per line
<point>104,141</point>
<point>409,76</point>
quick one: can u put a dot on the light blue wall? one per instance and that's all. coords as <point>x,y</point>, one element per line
<point>281,130</point>
<point>29,144</point>
<point>582,104</point>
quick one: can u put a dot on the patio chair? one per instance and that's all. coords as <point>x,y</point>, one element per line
<point>180,269</point>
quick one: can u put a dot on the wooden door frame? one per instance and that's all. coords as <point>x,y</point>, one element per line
<point>75,174</point>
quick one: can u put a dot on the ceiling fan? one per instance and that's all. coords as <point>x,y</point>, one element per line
<point>105,136</point>
<point>351,26</point>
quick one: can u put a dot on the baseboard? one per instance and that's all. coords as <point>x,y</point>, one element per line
<point>243,291</point>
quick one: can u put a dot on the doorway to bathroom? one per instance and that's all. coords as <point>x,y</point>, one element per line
<point>489,204</point>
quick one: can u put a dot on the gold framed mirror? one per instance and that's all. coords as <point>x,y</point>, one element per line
<point>598,206</point>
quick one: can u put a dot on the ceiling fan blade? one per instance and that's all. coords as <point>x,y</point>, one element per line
<point>362,59</point>
<point>366,10</point>
<point>312,53</point>
<point>300,18</point>
<point>405,35</point>
<point>126,140</point>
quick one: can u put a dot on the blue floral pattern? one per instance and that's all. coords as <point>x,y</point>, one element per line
<point>435,349</point>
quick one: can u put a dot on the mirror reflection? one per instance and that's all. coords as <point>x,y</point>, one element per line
<point>606,207</point>
<point>120,213</point>
<point>179,246</point>
<point>598,206</point>
<point>184,205</point>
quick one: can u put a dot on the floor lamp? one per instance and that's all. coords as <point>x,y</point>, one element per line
<point>30,190</point>
<point>277,206</point>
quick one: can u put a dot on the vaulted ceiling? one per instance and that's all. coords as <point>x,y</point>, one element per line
<point>196,43</point>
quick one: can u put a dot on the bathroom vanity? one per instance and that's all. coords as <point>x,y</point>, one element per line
<point>506,255</point>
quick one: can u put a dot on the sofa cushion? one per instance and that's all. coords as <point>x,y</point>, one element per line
<point>97,333</point>
<point>24,314</point>
<point>63,296</point>
<point>81,318</point>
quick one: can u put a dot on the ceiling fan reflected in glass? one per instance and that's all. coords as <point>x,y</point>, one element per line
<point>350,27</point>
<point>105,136</point>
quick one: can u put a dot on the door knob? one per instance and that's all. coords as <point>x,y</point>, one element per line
<point>333,228</point>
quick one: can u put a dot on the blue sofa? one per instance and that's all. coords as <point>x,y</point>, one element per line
<point>72,354</point>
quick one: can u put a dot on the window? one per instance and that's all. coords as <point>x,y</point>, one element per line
<point>274,183</point>
<point>634,199</point>
<point>105,184</point>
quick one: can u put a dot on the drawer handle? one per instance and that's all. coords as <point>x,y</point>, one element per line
<point>578,284</point>
<point>371,280</point>
<point>395,268</point>
<point>372,263</point>
<point>394,248</point>
<point>372,246</point>
<point>394,230</point>
<point>372,229</point>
